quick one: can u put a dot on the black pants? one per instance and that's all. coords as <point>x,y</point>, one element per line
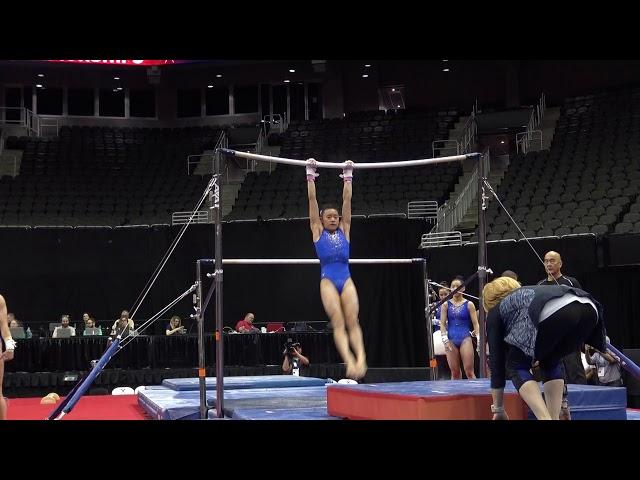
<point>559,335</point>
<point>574,369</point>
<point>563,333</point>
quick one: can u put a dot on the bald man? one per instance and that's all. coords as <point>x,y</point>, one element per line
<point>572,363</point>
<point>552,265</point>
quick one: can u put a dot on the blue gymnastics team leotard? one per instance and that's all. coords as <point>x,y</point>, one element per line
<point>333,252</point>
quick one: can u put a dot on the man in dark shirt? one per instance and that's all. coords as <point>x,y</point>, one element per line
<point>572,363</point>
<point>552,265</point>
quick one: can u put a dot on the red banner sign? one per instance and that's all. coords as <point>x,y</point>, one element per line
<point>133,63</point>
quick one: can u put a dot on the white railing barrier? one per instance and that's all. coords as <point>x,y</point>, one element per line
<point>441,239</point>
<point>35,124</point>
<point>48,126</point>
<point>182,218</point>
<point>427,209</point>
<point>525,139</point>
<point>469,131</point>
<point>450,215</point>
<point>531,133</point>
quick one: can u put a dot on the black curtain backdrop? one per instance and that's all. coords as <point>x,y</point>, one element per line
<point>49,271</point>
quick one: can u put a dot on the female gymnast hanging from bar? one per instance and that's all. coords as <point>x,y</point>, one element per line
<point>337,290</point>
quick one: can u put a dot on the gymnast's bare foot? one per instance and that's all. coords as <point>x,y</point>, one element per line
<point>360,369</point>
<point>352,370</point>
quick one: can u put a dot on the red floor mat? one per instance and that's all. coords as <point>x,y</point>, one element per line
<point>93,407</point>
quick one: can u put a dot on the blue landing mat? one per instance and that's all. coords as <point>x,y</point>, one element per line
<point>272,399</point>
<point>587,402</point>
<point>307,413</point>
<point>591,402</point>
<point>429,388</point>
<point>166,404</point>
<point>257,381</point>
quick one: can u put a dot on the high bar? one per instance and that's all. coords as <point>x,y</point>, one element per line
<point>303,163</point>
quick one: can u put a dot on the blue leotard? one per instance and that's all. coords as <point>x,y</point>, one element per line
<point>333,252</point>
<point>458,322</point>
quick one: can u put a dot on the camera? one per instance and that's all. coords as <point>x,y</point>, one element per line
<point>289,347</point>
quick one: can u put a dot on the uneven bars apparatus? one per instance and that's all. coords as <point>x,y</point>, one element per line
<point>202,305</point>
<point>217,217</point>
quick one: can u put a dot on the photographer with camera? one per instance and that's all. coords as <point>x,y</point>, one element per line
<point>609,372</point>
<point>294,363</point>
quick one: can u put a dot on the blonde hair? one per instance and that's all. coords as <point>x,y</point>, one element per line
<point>496,290</point>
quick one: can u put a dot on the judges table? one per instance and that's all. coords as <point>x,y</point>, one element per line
<point>177,351</point>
